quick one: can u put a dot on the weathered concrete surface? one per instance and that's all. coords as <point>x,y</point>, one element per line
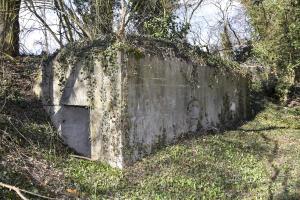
<point>119,108</point>
<point>170,97</point>
<point>85,107</point>
<point>73,78</point>
<point>106,115</point>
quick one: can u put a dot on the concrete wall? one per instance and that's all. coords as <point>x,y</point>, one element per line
<point>119,110</point>
<point>66,102</point>
<point>168,98</point>
<point>84,107</point>
<point>106,116</point>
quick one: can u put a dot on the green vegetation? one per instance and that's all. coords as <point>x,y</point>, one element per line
<point>260,160</point>
<point>276,39</point>
<point>158,19</point>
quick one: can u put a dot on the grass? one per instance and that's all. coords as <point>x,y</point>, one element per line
<point>259,160</point>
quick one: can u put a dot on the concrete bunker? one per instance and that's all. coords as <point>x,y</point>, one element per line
<point>118,102</point>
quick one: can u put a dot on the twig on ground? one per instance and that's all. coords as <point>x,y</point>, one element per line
<point>82,157</point>
<point>3,106</point>
<point>19,191</point>
<point>17,130</point>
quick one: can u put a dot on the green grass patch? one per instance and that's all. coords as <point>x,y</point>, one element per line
<point>260,160</point>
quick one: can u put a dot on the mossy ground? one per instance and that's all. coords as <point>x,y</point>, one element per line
<point>259,160</point>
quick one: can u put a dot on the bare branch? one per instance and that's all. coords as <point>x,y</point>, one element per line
<point>19,191</point>
<point>32,8</point>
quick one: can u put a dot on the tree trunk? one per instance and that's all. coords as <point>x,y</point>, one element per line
<point>102,14</point>
<point>9,26</point>
<point>226,43</point>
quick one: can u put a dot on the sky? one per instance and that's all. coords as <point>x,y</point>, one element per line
<point>208,19</point>
<point>32,37</point>
<point>205,22</point>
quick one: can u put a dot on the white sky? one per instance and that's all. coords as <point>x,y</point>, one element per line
<point>205,21</point>
<point>32,38</point>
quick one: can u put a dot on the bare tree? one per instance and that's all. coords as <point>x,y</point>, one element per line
<point>225,18</point>
<point>9,26</point>
<point>102,15</point>
<point>123,21</point>
<point>190,7</point>
<point>32,6</point>
<point>64,20</point>
<point>207,31</point>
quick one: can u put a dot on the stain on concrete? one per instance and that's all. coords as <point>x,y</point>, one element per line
<point>139,104</point>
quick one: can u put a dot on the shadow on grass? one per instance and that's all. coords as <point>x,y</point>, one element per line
<point>202,167</point>
<point>271,158</point>
<point>26,122</point>
<point>286,194</point>
<point>270,128</point>
<point>9,176</point>
<point>227,167</point>
<point>27,143</point>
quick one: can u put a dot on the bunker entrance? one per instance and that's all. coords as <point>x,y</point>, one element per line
<point>75,127</point>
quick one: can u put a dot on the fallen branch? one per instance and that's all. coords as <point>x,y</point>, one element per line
<point>17,130</point>
<point>3,106</point>
<point>82,157</point>
<point>19,191</point>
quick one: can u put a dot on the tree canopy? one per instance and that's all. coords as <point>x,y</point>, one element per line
<point>276,38</point>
